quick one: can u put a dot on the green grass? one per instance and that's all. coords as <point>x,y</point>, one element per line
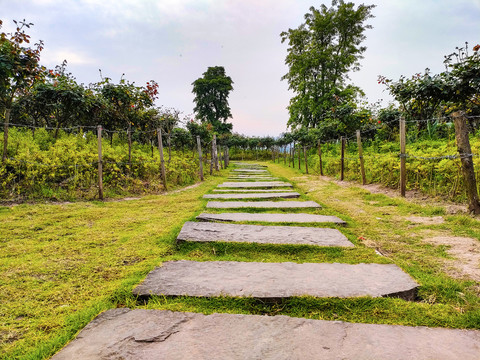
<point>62,264</point>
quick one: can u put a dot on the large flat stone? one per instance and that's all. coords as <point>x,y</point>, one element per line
<point>260,184</point>
<point>156,334</point>
<point>284,195</point>
<point>294,235</point>
<point>261,204</point>
<point>252,179</point>
<point>274,218</point>
<point>260,171</point>
<point>251,190</point>
<point>272,281</point>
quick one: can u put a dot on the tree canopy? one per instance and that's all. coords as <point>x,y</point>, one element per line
<point>211,98</point>
<point>321,53</point>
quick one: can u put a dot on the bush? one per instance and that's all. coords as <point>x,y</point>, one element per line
<point>38,166</point>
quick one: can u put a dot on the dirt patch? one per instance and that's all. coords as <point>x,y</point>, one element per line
<point>412,195</point>
<point>423,220</point>
<point>466,252</point>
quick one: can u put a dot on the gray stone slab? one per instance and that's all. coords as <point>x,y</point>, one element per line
<point>284,195</point>
<point>262,184</point>
<point>252,190</point>
<point>156,334</point>
<point>256,179</point>
<point>293,235</point>
<point>273,281</point>
<point>274,218</point>
<point>262,204</point>
<point>259,171</point>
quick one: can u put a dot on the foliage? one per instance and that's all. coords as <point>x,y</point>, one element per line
<point>321,53</point>
<point>40,166</point>
<point>211,98</point>
<point>424,96</point>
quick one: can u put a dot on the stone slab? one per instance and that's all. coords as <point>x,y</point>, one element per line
<point>252,179</point>
<point>259,171</point>
<point>274,218</point>
<point>252,190</point>
<point>262,204</point>
<point>284,195</point>
<point>259,184</point>
<point>158,334</point>
<point>293,235</point>
<point>274,281</point>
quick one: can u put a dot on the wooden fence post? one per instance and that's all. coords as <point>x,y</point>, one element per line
<point>162,160</point>
<point>403,158</point>
<point>5,134</point>
<point>215,154</point>
<point>100,164</point>
<point>306,158</point>
<point>199,146</point>
<point>360,156</point>
<point>342,159</point>
<point>465,151</point>
<point>299,158</point>
<point>293,155</point>
<point>320,157</point>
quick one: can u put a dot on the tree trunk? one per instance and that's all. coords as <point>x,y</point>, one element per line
<point>465,151</point>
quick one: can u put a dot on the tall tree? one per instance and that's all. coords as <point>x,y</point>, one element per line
<point>211,98</point>
<point>322,51</point>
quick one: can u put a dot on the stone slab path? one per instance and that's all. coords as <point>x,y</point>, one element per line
<point>264,184</point>
<point>272,281</point>
<point>273,218</point>
<point>262,204</point>
<point>284,195</point>
<point>294,235</point>
<point>155,334</point>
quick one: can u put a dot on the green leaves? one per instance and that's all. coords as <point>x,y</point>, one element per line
<point>211,98</point>
<point>322,51</point>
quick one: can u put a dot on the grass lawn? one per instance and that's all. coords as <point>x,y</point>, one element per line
<point>61,265</point>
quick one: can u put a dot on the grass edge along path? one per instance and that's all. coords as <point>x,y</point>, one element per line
<point>62,264</point>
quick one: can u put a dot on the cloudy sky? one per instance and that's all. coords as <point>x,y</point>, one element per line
<point>175,41</point>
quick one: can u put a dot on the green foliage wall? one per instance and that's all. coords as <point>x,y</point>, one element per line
<point>38,166</point>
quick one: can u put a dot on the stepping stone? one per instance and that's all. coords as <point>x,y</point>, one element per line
<point>251,171</point>
<point>252,190</point>
<point>286,195</point>
<point>274,281</point>
<point>275,218</point>
<point>153,334</point>
<point>262,184</point>
<point>261,204</point>
<point>256,179</point>
<point>293,235</point>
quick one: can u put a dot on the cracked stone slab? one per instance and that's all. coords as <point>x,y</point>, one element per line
<point>274,218</point>
<point>293,235</point>
<point>259,184</point>
<point>262,204</point>
<point>154,334</point>
<point>284,195</point>
<point>274,281</point>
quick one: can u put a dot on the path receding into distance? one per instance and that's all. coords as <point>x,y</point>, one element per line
<point>158,334</point>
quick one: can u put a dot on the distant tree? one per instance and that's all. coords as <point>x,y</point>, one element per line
<point>19,70</point>
<point>321,53</point>
<point>211,98</point>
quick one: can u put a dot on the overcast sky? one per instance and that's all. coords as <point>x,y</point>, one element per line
<point>175,41</point>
